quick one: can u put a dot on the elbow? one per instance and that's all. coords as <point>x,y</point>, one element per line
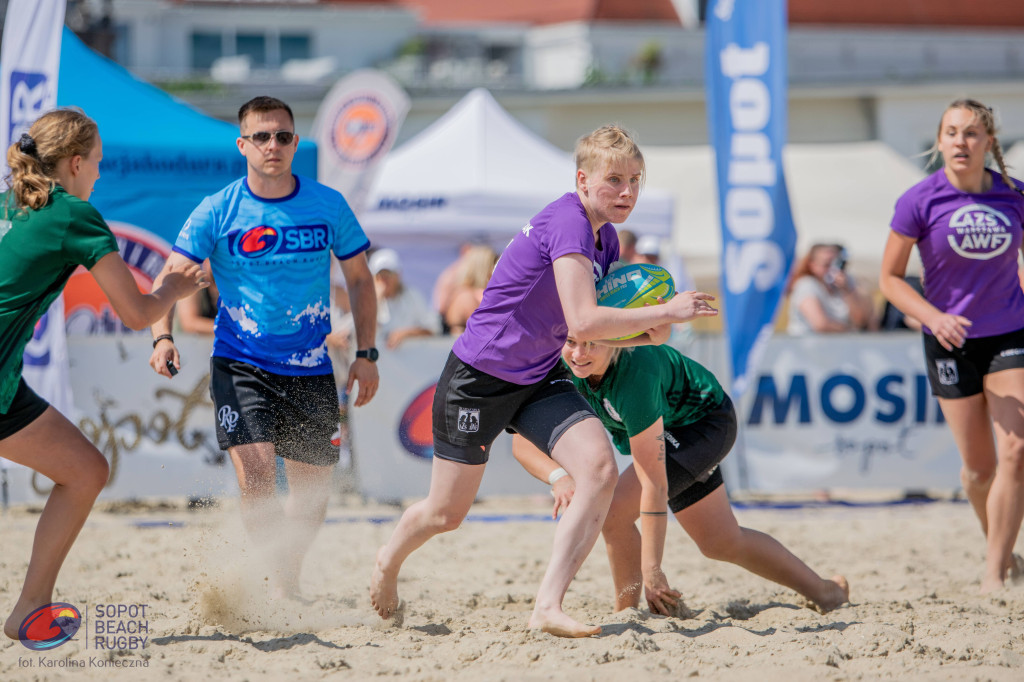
<point>136,323</point>
<point>582,331</point>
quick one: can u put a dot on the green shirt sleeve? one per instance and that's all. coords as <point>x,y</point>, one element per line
<point>87,237</point>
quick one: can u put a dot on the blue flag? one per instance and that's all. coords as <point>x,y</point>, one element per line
<point>745,75</point>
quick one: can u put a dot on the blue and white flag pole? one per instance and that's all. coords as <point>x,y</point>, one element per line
<point>745,75</point>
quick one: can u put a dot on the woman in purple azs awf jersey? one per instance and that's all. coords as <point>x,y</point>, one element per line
<point>966,221</point>
<point>504,373</point>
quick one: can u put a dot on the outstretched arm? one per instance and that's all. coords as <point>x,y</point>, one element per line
<point>648,448</point>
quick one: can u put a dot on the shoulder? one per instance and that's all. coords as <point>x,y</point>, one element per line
<point>78,209</point>
<point>927,186</point>
<point>566,208</point>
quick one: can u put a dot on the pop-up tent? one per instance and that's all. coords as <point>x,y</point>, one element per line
<point>160,155</point>
<point>475,173</point>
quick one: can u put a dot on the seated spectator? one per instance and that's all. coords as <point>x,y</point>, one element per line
<point>893,319</point>
<point>402,312</point>
<point>824,298</point>
<point>475,268</point>
<point>196,313</point>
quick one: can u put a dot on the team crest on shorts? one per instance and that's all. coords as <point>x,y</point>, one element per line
<point>469,419</point>
<point>948,376</point>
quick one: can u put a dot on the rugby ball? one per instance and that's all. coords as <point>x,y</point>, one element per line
<point>633,286</point>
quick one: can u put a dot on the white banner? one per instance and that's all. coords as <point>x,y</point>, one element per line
<point>157,434</point>
<point>29,70</point>
<point>355,128</point>
<point>392,437</point>
<point>29,65</point>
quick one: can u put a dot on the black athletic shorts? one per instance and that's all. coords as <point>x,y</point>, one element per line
<point>471,408</point>
<point>297,414</point>
<point>25,408</point>
<point>960,372</point>
<point>694,452</point>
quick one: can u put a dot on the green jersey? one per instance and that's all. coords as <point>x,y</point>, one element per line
<point>648,382</point>
<point>39,249</point>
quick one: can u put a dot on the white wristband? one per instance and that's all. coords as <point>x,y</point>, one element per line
<point>556,474</point>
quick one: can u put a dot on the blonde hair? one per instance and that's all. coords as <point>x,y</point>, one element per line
<point>606,145</point>
<point>476,267</point>
<point>986,117</point>
<point>55,136</point>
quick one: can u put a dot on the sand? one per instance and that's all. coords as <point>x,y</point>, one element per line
<point>914,572</point>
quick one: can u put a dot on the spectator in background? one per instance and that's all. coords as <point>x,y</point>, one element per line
<point>894,319</point>
<point>647,250</point>
<point>402,312</point>
<point>824,298</point>
<point>197,313</point>
<point>475,268</point>
<point>627,246</point>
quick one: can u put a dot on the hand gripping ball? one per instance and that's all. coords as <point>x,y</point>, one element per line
<point>633,286</point>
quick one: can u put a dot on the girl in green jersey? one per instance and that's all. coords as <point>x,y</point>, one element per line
<point>48,229</point>
<point>672,416</point>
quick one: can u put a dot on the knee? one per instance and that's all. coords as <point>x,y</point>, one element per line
<point>722,546</point>
<point>1011,459</point>
<point>445,521</point>
<point>95,476</point>
<point>977,476</point>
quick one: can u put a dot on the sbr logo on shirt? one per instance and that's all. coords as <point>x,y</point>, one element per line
<point>979,232</point>
<point>264,240</point>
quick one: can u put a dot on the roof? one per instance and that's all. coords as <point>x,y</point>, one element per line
<point>543,11</point>
<point>954,13</point>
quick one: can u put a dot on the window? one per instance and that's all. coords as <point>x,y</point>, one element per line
<point>253,46</point>
<point>294,47</point>
<point>206,49</point>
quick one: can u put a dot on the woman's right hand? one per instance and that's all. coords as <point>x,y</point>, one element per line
<point>563,490</point>
<point>164,352</point>
<point>661,598</point>
<point>949,330</point>
<point>687,305</point>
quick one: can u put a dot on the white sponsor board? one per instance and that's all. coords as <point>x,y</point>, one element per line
<point>158,434</point>
<point>837,411</point>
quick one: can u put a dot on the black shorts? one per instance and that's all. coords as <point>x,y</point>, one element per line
<point>25,408</point>
<point>297,414</point>
<point>694,452</point>
<point>960,372</point>
<point>471,408</point>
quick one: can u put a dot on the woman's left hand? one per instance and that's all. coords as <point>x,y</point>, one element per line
<point>661,599</point>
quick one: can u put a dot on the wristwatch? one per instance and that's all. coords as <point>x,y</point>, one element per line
<point>370,354</point>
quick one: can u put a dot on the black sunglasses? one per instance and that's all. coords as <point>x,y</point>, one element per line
<point>284,137</point>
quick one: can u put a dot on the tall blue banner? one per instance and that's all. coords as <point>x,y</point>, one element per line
<point>745,76</point>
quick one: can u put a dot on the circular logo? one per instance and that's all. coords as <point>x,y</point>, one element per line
<point>50,626</point>
<point>86,308</point>
<point>258,241</point>
<point>415,430</point>
<point>360,130</point>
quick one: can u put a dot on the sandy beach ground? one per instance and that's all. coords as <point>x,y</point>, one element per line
<point>915,613</point>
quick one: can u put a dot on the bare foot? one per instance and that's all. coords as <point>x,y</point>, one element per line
<point>560,625</point>
<point>384,590</point>
<point>836,593</point>
<point>19,614</point>
<point>989,585</point>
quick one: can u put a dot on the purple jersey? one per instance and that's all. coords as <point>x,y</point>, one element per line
<point>517,332</point>
<point>969,245</point>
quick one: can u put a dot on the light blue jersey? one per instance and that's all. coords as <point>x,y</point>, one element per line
<point>271,261</point>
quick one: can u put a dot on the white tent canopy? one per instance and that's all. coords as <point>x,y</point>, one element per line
<point>475,173</point>
<point>842,193</point>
